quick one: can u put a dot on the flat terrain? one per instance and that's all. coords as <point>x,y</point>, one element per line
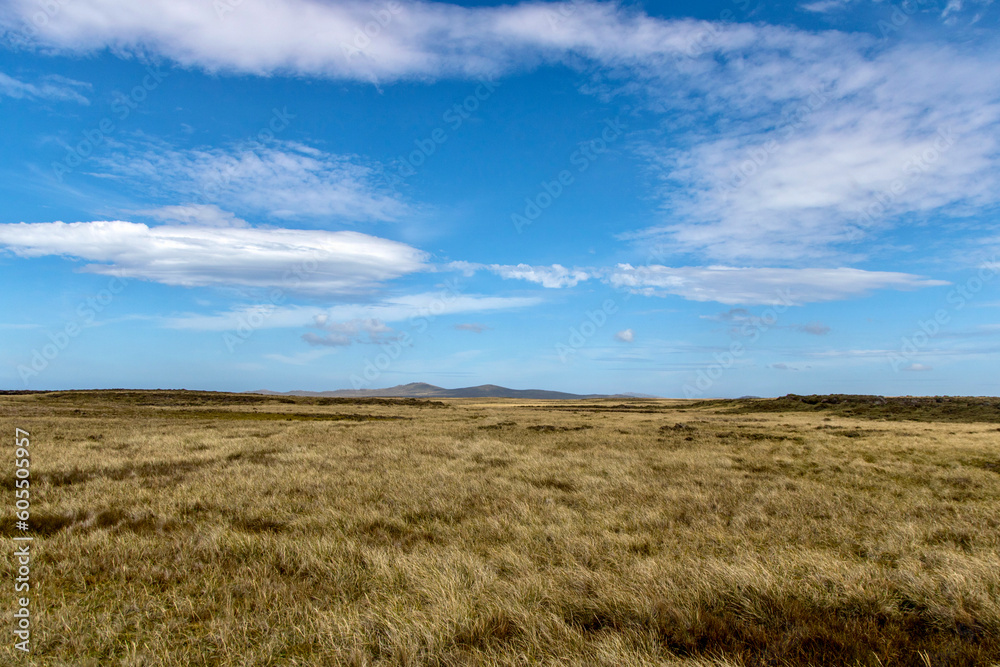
<point>188,528</point>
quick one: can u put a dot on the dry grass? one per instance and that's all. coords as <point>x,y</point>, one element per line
<point>200,529</point>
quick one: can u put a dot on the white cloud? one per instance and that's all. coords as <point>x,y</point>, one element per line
<point>765,286</point>
<point>625,336</point>
<point>824,6</point>
<point>313,261</point>
<point>204,215</point>
<point>341,40</point>
<point>338,334</point>
<point>917,368</point>
<point>418,309</point>
<point>810,163</point>
<point>53,87</point>
<point>282,179</point>
<point>554,276</point>
<point>876,109</point>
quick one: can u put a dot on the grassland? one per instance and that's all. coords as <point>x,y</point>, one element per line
<point>186,528</point>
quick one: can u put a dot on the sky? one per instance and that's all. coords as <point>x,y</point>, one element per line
<point>681,199</point>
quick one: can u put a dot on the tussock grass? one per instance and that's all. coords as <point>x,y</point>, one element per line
<point>497,532</point>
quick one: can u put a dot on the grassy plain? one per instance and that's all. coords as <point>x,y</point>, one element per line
<point>188,528</point>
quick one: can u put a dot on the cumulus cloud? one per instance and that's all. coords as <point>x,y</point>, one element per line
<point>766,286</point>
<point>554,276</point>
<point>625,336</point>
<point>282,179</point>
<point>56,88</point>
<point>916,368</point>
<point>311,261</point>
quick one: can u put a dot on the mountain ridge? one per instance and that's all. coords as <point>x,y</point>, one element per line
<point>425,390</point>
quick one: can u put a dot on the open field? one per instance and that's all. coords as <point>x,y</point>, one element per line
<point>184,528</point>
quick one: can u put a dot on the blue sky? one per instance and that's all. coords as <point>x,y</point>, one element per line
<point>680,199</point>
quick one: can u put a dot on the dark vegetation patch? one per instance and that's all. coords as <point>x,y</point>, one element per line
<point>257,524</point>
<point>761,467</point>
<point>549,428</point>
<point>553,482</point>
<point>273,416</point>
<point>769,629</point>
<point>44,524</point>
<point>390,532</point>
<point>493,461</point>
<point>183,397</point>
<point>496,427</point>
<point>164,472</point>
<point>968,409</point>
<point>678,427</point>
<point>590,407</point>
<point>262,456</point>
<point>490,629</point>
<point>752,435</point>
<point>992,466</point>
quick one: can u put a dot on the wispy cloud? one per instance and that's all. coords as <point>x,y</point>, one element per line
<point>205,215</point>
<point>814,328</point>
<point>423,40</point>
<point>473,327</point>
<point>56,88</point>
<point>766,286</point>
<point>339,334</point>
<point>825,6</point>
<point>281,179</point>
<point>821,162</point>
<point>389,310</point>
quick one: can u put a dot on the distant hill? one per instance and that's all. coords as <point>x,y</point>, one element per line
<point>424,390</point>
